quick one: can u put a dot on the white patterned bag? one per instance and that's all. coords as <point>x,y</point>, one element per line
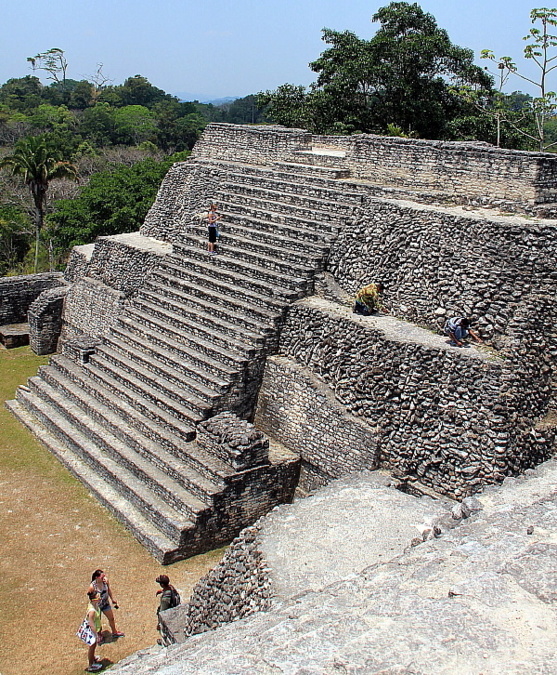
<point>85,633</point>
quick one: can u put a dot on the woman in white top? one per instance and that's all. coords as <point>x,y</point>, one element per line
<point>99,583</point>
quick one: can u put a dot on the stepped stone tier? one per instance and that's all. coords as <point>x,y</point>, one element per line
<point>166,352</point>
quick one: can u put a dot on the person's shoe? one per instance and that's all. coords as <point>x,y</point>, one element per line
<point>118,634</point>
<point>94,668</point>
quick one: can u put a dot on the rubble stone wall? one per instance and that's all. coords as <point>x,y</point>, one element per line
<point>453,421</point>
<point>238,586</point>
<point>18,293</point>
<point>297,408</point>
<point>437,264</point>
<point>45,320</point>
<point>258,144</point>
<point>462,168</point>
<point>91,308</point>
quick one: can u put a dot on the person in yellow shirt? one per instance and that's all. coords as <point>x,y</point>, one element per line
<point>368,300</point>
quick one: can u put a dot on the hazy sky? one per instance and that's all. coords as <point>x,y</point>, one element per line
<point>215,48</point>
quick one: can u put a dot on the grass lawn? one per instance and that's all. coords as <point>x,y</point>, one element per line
<point>54,534</point>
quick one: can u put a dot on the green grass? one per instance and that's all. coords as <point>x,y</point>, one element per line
<point>19,449</point>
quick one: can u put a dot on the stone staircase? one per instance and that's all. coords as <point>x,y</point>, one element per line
<point>190,344</point>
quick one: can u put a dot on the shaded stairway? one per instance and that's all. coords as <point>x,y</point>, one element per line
<point>191,343</point>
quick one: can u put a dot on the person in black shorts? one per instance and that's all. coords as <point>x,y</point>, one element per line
<point>212,219</point>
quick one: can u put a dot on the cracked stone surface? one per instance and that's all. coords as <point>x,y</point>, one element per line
<point>479,600</point>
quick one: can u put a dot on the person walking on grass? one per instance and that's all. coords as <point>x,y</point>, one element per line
<point>212,220</point>
<point>90,631</point>
<point>99,583</point>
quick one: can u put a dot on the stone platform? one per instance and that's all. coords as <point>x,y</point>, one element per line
<point>479,600</point>
<point>14,335</point>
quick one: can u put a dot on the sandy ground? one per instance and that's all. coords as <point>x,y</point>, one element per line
<point>54,534</point>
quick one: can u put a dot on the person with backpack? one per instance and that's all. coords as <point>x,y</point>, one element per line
<point>169,598</point>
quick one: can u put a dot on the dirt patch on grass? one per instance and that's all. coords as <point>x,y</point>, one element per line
<point>54,535</point>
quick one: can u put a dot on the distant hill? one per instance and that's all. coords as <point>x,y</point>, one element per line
<point>202,98</point>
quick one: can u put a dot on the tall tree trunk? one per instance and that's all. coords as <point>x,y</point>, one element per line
<point>39,197</point>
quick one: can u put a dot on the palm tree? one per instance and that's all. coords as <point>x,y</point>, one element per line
<point>34,161</point>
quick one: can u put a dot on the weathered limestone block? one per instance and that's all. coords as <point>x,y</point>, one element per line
<point>300,410</point>
<point>233,440</point>
<point>45,320</point>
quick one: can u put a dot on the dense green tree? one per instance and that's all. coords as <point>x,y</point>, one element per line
<point>137,90</point>
<point>81,96</point>
<point>114,201</point>
<point>22,94</point>
<point>242,111</point>
<point>402,76</point>
<point>34,161</point>
<point>134,124</point>
<point>98,124</point>
<point>16,232</point>
<point>289,105</point>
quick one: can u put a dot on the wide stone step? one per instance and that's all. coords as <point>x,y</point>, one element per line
<point>320,157</point>
<point>311,171</point>
<point>202,280</point>
<point>325,208</point>
<point>246,249</point>
<point>222,342</point>
<point>306,229</point>
<point>152,403</point>
<point>197,365</point>
<point>203,314</point>
<point>164,357</point>
<point>162,547</point>
<point>143,456</point>
<point>177,441</point>
<point>169,519</point>
<point>328,221</point>
<point>226,267</point>
<point>142,323</point>
<point>249,228</point>
<point>136,374</point>
<point>174,440</point>
<point>235,311</point>
<point>297,184</point>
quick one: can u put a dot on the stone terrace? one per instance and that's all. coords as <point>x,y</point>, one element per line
<point>160,337</point>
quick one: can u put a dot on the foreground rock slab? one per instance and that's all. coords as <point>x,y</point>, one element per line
<point>478,600</point>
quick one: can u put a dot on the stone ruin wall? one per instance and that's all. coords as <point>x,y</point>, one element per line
<point>237,587</point>
<point>296,407</point>
<point>415,402</point>
<point>451,421</point>
<point>463,170</point>
<point>251,144</point>
<point>103,278</point>
<point>437,263</point>
<point>18,293</point>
